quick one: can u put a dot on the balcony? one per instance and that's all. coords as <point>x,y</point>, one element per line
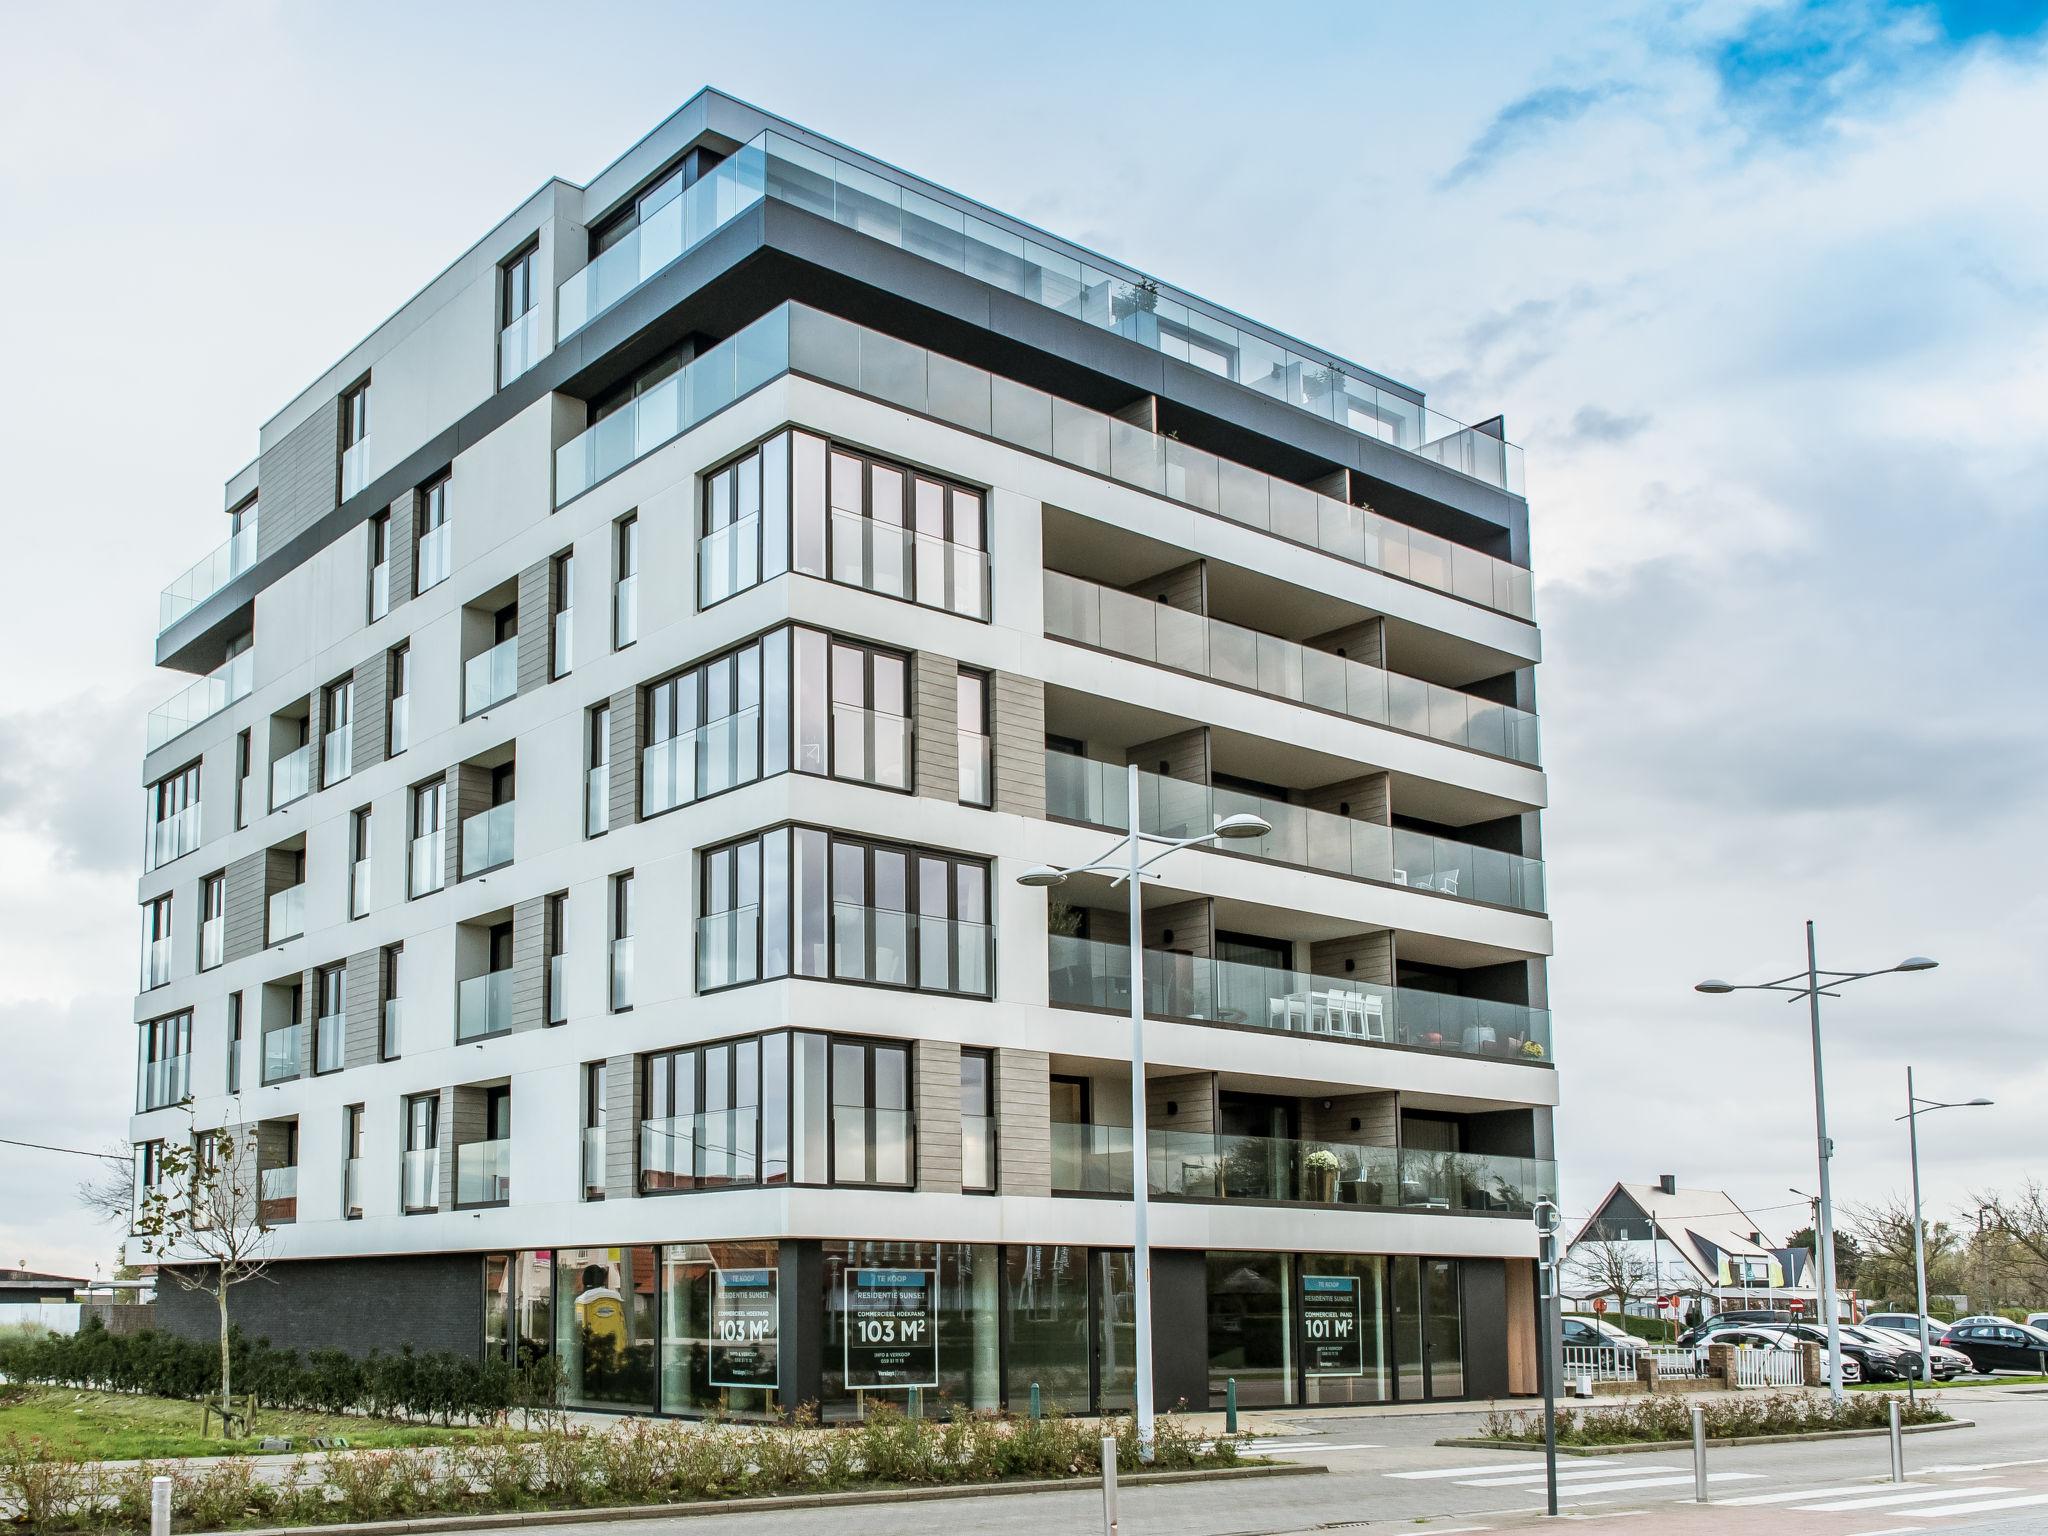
<point>208,576</point>
<point>490,678</point>
<point>355,467</point>
<point>287,914</point>
<point>565,643</point>
<point>291,777</point>
<point>593,1162</point>
<point>1193,989</point>
<point>352,1189</point>
<point>224,685</point>
<point>156,963</point>
<point>213,935</point>
<point>336,756</point>
<point>359,888</point>
<point>729,188</point>
<point>1083,790</point>
<point>597,800</point>
<point>401,724</point>
<point>380,590</point>
<point>392,1043</point>
<point>420,1180</point>
<point>433,560</point>
<point>487,839</point>
<point>728,948</point>
<point>706,1151</point>
<point>174,836</point>
<point>483,1173</point>
<point>704,761</point>
<point>626,612</point>
<point>483,1006</point>
<point>278,1197</point>
<point>1127,625</point>
<point>284,1053</point>
<point>518,347</point>
<point>330,1042</point>
<point>163,1083</point>
<point>428,860</point>
<point>622,975</point>
<point>1096,1159</point>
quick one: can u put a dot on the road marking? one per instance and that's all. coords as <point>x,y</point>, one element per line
<point>1564,1474</point>
<point>1806,1493</point>
<point>1491,1466</point>
<point>1987,1466</point>
<point>1315,1445</point>
<point>1920,1495</point>
<point>1891,1530</point>
<point>1636,1485</point>
<point>1979,1507</point>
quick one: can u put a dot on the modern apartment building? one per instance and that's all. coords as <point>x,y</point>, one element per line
<point>585,862</point>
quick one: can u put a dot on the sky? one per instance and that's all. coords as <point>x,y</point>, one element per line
<point>1762,288</point>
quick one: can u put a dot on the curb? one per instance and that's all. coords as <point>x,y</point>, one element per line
<point>1665,1446</point>
<point>773,1503</point>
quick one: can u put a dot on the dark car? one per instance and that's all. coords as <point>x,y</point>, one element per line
<point>1875,1361</point>
<point>1738,1319</point>
<point>2000,1346</point>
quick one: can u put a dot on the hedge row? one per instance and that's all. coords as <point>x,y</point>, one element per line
<point>1670,1418</point>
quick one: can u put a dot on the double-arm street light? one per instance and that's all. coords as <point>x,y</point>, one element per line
<point>1813,984</point>
<point>1126,861</point>
<point>1915,1108</point>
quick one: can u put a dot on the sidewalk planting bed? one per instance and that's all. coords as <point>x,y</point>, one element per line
<point>1668,1420</point>
<point>124,1426</point>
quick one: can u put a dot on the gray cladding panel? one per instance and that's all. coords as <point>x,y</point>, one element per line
<point>242,927</point>
<point>300,479</point>
<point>365,988</point>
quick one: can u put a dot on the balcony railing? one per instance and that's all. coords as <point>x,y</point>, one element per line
<point>355,467</point>
<point>622,974</point>
<point>174,837</point>
<point>336,756</point>
<point>224,685</point>
<point>902,949</point>
<point>287,913</point>
<point>401,723</point>
<point>518,347</point>
<point>699,1151</point>
<point>558,995</point>
<point>208,576</point>
<point>1128,625</point>
<point>728,948</point>
<point>420,1179</point>
<point>164,1083</point>
<point>870,746</point>
<point>597,799</point>
<point>434,559</point>
<point>1086,973</point>
<point>729,560</point>
<point>626,611</point>
<point>330,1042</point>
<point>156,963</point>
<point>429,863</point>
<point>491,677</point>
<point>483,1173</point>
<point>483,1006</point>
<point>882,557</point>
<point>976,766</point>
<point>245,799</point>
<point>291,776</point>
<point>284,1053</point>
<point>393,1041</point>
<point>278,1199</point>
<point>487,838</point>
<point>213,935</point>
<point>1084,790</point>
<point>594,1159</point>
<point>872,1146</point>
<point>380,590</point>
<point>1096,1159</point>
<point>359,888</point>
<point>565,643</point>
<point>352,1188</point>
<point>713,757</point>
<point>977,1152</point>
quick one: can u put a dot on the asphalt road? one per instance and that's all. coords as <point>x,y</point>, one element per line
<point>1387,1471</point>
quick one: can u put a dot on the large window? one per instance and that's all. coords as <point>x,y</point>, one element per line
<point>625,581</point>
<point>234,1042</point>
<point>865,736</point>
<point>797,502</point>
<point>174,816</point>
<point>330,1028</point>
<point>163,1065</point>
<point>703,1118</point>
<point>156,942</point>
<point>977,1120</point>
<point>430,532</point>
<point>605,1324</point>
<point>977,784</point>
<point>398,717</point>
<point>801,901</point>
<point>391,1021</point>
<point>213,920</point>
<point>421,1176</point>
<point>380,566</point>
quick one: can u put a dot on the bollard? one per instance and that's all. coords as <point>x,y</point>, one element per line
<point>917,1402</point>
<point>1034,1400</point>
<point>1699,1454</point>
<point>1109,1485</point>
<point>159,1506</point>
<point>1898,1446</point>
<point>1230,1406</point>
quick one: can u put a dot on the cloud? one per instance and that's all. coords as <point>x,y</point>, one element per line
<point>1595,424</point>
<point>1525,120</point>
<point>68,779</point>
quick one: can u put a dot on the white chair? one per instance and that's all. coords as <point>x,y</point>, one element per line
<point>1291,1012</point>
<point>1373,1016</point>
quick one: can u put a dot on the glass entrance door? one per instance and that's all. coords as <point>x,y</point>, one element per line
<point>1429,1340</point>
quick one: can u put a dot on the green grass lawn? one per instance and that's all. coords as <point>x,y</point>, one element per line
<point>114,1426</point>
<point>1948,1386</point>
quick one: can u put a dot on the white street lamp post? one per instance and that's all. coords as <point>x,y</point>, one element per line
<point>1816,984</point>
<point>1133,868</point>
<point>1915,1108</point>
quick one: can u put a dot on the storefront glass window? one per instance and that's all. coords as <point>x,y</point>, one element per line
<point>720,1328</point>
<point>904,1315</point>
<point>1342,1304</point>
<point>604,1326</point>
<point>1251,1327</point>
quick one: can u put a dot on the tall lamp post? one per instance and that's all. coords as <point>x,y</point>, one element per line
<point>1813,983</point>
<point>1126,860</point>
<point>1915,1108</point>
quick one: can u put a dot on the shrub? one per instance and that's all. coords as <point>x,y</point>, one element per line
<point>1670,1418</point>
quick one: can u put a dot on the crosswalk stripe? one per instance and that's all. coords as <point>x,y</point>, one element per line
<point>1986,1466</point>
<point>1633,1484</point>
<point>1804,1493</point>
<point>1315,1445</point>
<point>1564,1475</point>
<point>1978,1507</point>
<point>1491,1466</point>
<point>1920,1495</point>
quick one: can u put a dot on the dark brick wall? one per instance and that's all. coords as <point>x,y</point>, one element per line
<point>431,1301</point>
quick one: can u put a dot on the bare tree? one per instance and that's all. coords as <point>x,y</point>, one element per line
<point>202,1221</point>
<point>109,1193</point>
<point>1609,1266</point>
<point>2013,1237</point>
<point>1883,1235</point>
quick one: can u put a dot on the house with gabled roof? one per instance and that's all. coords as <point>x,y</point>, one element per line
<point>1682,1245</point>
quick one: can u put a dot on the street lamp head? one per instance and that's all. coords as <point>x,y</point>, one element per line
<point>1977,1104</point>
<point>1715,987</point>
<point>1916,963</point>
<point>1042,874</point>
<point>1243,824</point>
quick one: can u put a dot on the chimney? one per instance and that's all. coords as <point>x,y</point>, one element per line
<point>1667,1183</point>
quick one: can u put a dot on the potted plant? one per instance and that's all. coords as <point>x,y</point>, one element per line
<point>1533,1049</point>
<point>1319,1176</point>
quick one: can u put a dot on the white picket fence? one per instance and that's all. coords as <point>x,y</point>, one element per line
<point>1605,1362</point>
<point>1769,1368</point>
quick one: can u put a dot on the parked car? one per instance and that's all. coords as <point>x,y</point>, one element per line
<point>1697,1334</point>
<point>1774,1336</point>
<point>1979,1318</point>
<point>2038,1320</point>
<point>1906,1322</point>
<point>1874,1361</point>
<point>1596,1333</point>
<point>1994,1344</point>
<point>1947,1362</point>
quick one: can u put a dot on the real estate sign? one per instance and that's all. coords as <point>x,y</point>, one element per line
<point>1334,1341</point>
<point>892,1328</point>
<point>743,1318</point>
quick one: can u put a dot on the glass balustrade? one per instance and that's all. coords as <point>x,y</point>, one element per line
<point>173,837</point>
<point>224,685</point>
<point>219,568</point>
<point>1084,790</point>
<point>703,1151</point>
<point>291,776</point>
<point>870,746</point>
<point>355,467</point>
<point>156,963</point>
<point>977,763</point>
<point>278,1197</point>
<point>483,1006</point>
<point>429,867</point>
<point>359,888</point>
<point>284,1053</point>
<point>518,347</point>
<point>558,983</point>
<point>977,1151</point>
<point>491,677</point>
<point>352,1187</point>
<point>487,838</point>
<point>401,723</point>
<point>565,642</point>
<point>483,1173</point>
<point>728,948</point>
<point>1133,626</point>
<point>622,974</point>
<point>626,612</point>
<point>393,1042</point>
<point>330,1036</point>
<point>421,1179</point>
<point>594,1159</point>
<point>336,756</point>
<point>729,560</point>
<point>433,560</point>
<point>165,1082</point>
<point>872,1146</point>
<point>380,590</point>
<point>1091,1159</point>
<point>1087,973</point>
<point>212,942</point>
<point>902,949</point>
<point>287,913</point>
<point>716,756</point>
<point>597,800</point>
